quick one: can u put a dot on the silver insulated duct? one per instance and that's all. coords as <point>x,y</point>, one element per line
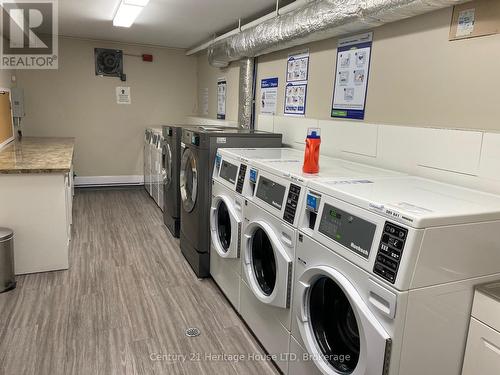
<point>317,20</point>
<point>245,107</point>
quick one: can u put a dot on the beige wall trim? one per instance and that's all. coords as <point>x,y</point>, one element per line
<point>88,181</point>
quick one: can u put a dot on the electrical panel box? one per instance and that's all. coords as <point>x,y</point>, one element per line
<point>17,100</point>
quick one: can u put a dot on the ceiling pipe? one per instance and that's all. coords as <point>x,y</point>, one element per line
<point>246,91</point>
<point>316,20</point>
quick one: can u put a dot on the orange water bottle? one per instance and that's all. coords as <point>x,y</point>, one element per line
<point>311,155</point>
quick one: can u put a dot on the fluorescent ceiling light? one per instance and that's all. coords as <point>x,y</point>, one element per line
<point>128,11</point>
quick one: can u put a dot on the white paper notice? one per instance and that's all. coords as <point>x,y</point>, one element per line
<point>221,98</point>
<point>466,20</point>
<point>297,68</point>
<point>268,95</point>
<point>204,101</point>
<point>123,95</point>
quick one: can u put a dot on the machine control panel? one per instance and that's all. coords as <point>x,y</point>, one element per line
<point>313,202</point>
<point>218,159</point>
<point>291,203</point>
<point>241,178</point>
<point>253,176</point>
<point>228,171</point>
<point>390,251</point>
<point>348,230</point>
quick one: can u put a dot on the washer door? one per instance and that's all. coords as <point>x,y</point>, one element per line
<point>267,266</point>
<point>167,165</point>
<point>188,180</point>
<point>339,331</point>
<point>225,226</point>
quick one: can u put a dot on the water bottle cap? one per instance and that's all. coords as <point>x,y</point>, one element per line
<point>313,133</point>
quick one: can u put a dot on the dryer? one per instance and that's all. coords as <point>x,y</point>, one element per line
<point>198,156</point>
<point>269,241</point>
<point>384,275</point>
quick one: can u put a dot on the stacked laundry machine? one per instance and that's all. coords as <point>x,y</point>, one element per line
<point>154,168</point>
<point>329,270</point>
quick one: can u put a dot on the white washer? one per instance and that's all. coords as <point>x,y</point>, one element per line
<point>384,275</point>
<point>230,188</point>
<point>269,240</point>
<point>155,163</point>
<point>147,159</point>
<point>226,217</point>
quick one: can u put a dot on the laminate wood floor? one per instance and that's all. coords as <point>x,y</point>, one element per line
<point>123,306</point>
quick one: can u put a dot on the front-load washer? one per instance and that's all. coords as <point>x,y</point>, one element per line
<point>230,176</point>
<point>155,148</point>
<point>162,172</point>
<point>198,156</point>
<point>171,164</point>
<point>230,187</point>
<point>147,159</point>
<point>271,221</point>
<point>384,275</point>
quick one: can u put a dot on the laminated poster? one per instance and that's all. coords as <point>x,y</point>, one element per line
<point>351,76</point>
<point>221,98</point>
<point>268,95</point>
<point>297,68</point>
<point>295,98</point>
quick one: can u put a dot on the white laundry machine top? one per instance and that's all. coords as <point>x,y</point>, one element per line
<point>279,184</point>
<point>330,168</point>
<point>408,231</point>
<point>252,154</point>
<point>415,201</point>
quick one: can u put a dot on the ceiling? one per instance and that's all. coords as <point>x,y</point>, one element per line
<point>170,23</point>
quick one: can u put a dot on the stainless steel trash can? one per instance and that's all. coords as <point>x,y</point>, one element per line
<point>7,279</point>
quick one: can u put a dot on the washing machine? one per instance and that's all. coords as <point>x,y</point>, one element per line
<point>162,172</point>
<point>147,160</point>
<point>384,275</point>
<point>198,156</point>
<point>171,164</point>
<point>269,241</point>
<point>155,149</point>
<point>230,187</point>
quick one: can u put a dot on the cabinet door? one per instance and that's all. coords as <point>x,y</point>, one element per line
<point>482,355</point>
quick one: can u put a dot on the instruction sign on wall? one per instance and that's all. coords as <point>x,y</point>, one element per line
<point>221,98</point>
<point>268,95</point>
<point>297,74</point>
<point>351,76</point>
<point>123,95</point>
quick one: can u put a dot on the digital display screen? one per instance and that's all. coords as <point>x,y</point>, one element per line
<point>271,192</point>
<point>228,171</point>
<point>348,230</point>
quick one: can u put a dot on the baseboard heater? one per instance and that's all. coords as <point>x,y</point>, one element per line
<point>103,181</point>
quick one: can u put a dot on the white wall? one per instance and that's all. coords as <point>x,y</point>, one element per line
<point>73,102</point>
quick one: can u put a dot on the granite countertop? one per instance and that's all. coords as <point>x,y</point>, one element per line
<point>37,155</point>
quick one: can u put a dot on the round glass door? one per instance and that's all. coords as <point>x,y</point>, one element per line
<point>223,226</point>
<point>188,180</point>
<point>334,325</point>
<point>263,261</point>
<point>167,165</point>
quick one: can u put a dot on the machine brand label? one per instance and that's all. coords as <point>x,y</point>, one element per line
<point>359,249</point>
<point>221,140</point>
